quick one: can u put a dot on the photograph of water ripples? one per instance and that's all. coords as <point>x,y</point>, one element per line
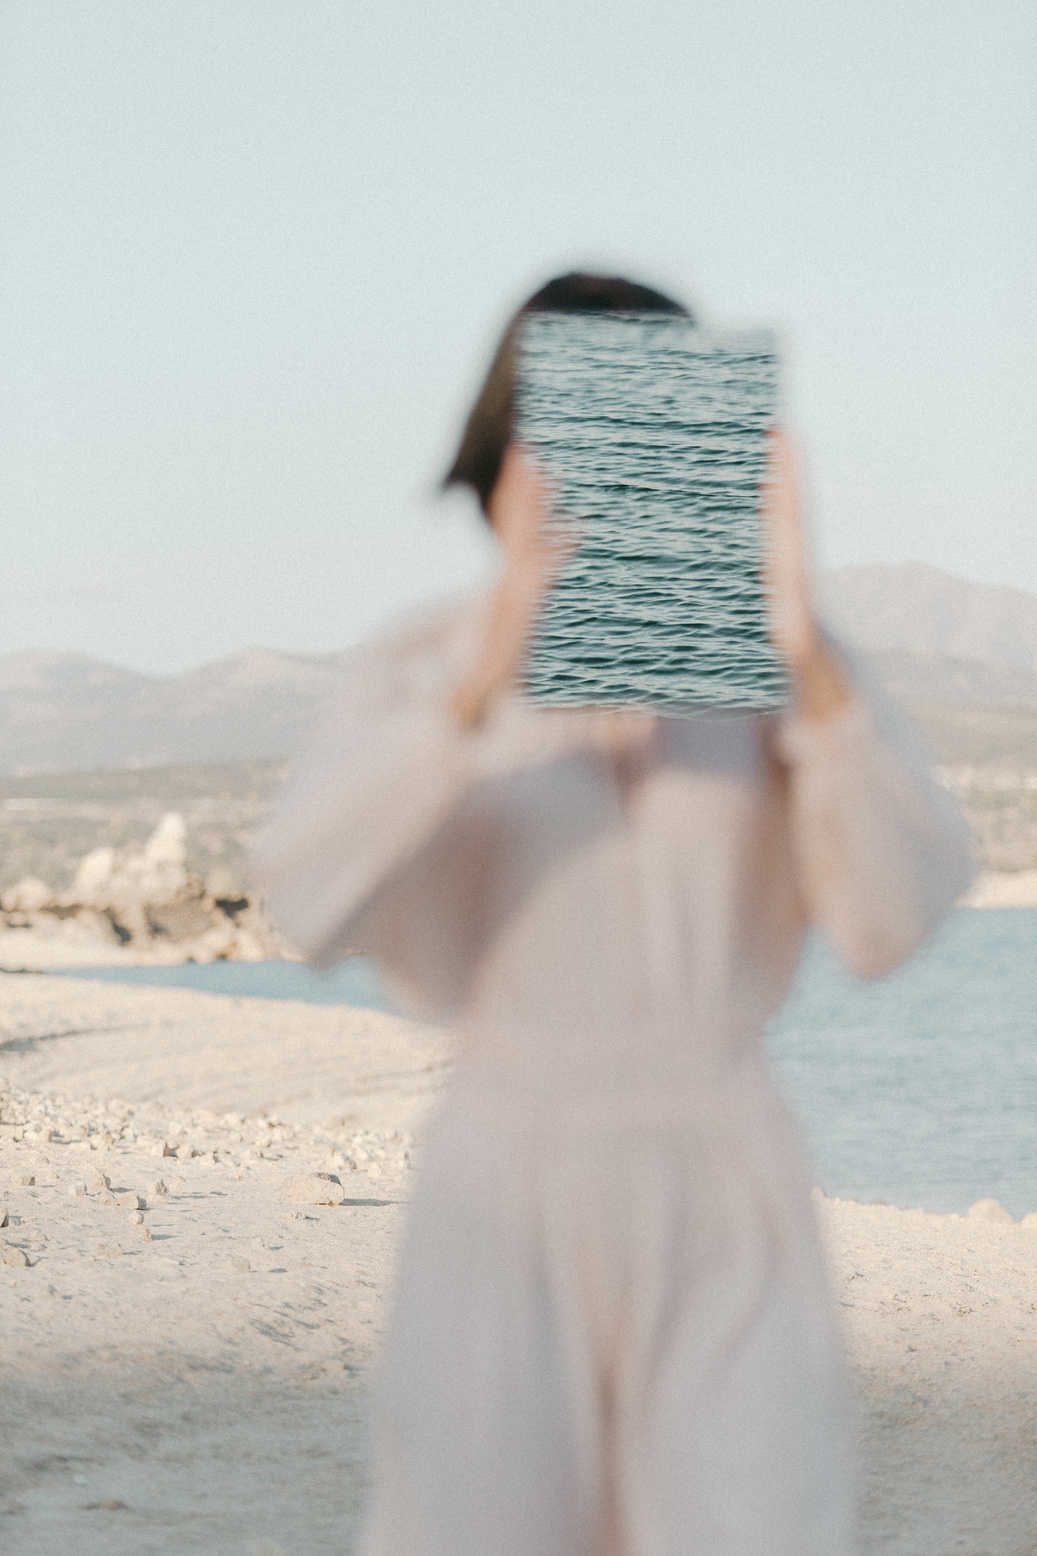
<point>653,433</point>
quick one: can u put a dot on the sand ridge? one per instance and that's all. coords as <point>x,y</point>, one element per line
<point>187,1353</point>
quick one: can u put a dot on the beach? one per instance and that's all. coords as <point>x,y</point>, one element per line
<point>189,1336</point>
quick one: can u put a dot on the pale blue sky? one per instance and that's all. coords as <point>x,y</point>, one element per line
<point>254,254</point>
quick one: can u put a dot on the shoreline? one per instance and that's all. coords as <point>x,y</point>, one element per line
<point>50,946</point>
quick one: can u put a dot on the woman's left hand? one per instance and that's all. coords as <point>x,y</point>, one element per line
<point>820,684</point>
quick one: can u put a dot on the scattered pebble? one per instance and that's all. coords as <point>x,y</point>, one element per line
<point>314,1188</point>
<point>129,1201</point>
<point>76,1188</point>
<point>26,1180</point>
<point>107,1251</point>
<point>157,1190</point>
<point>13,1255</point>
<point>97,1180</point>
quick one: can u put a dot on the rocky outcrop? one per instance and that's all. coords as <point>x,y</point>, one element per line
<point>147,901</point>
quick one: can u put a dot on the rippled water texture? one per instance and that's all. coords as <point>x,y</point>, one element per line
<point>653,432</point>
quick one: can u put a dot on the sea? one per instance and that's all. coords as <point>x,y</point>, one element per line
<point>918,1089</point>
<point>653,434</point>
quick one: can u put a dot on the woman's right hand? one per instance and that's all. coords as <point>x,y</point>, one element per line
<point>818,678</point>
<point>534,552</point>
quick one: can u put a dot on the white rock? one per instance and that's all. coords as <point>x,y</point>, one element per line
<point>13,1255</point>
<point>98,1180</point>
<point>93,876</point>
<point>26,1179</point>
<point>136,1219</point>
<point>314,1188</point>
<point>76,1189</point>
<point>107,1251</point>
<point>989,1210</point>
<point>129,1201</point>
<point>28,896</point>
<point>167,845</point>
<point>156,1190</point>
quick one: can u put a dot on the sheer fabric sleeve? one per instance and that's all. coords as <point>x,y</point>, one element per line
<point>385,770</point>
<point>882,851</point>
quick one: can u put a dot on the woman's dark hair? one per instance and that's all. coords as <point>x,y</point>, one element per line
<point>490,425</point>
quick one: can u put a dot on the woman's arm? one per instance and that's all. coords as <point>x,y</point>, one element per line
<point>410,731</point>
<point>387,767</point>
<point>881,850</point>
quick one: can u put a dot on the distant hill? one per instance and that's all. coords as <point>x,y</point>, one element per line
<point>927,680</point>
<point>937,641</point>
<point>919,610</point>
<point>67,713</point>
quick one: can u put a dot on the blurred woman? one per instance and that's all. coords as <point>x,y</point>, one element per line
<point>612,1333</point>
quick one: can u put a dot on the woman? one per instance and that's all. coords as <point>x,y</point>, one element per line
<point>612,1335</point>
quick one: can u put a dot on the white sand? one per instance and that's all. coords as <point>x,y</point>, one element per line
<point>999,889</point>
<point>214,1380</point>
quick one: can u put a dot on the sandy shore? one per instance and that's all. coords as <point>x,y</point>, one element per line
<point>193,1375</point>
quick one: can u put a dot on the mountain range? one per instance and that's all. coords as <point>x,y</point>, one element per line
<point>936,640</point>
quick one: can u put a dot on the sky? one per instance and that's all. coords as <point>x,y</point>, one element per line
<point>255,254</point>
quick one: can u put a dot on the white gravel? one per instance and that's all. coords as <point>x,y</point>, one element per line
<point>187,1337</point>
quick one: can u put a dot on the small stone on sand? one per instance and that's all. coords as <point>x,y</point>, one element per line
<point>314,1188</point>
<point>128,1201</point>
<point>13,1255</point>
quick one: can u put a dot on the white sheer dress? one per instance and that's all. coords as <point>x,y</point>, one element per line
<point>612,1333</point>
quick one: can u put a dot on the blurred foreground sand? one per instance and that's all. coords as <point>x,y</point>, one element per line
<point>205,1388</point>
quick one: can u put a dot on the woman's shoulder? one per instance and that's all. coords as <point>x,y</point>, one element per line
<point>422,648</point>
<point>445,629</point>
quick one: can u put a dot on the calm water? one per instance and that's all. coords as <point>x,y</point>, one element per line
<point>920,1089</point>
<point>653,432</point>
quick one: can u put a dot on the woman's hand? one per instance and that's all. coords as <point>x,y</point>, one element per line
<point>817,676</point>
<point>534,551</point>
